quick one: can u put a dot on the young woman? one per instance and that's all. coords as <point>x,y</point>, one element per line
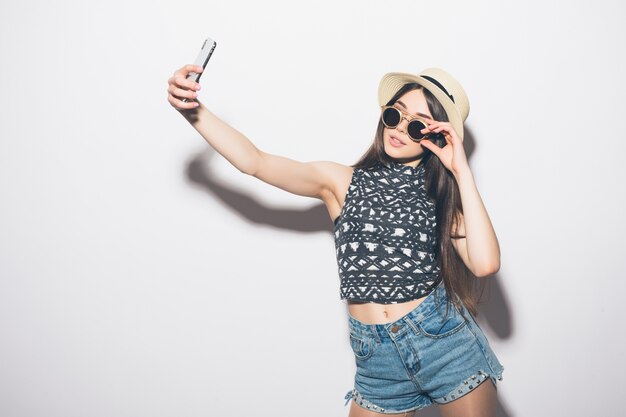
<point>412,238</point>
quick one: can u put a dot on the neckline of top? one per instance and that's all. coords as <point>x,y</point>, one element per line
<point>400,168</point>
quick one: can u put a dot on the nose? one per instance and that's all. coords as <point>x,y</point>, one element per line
<point>402,125</point>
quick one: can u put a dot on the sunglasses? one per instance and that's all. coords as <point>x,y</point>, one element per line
<point>392,117</point>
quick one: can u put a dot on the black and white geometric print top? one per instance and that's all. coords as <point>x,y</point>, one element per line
<point>385,236</point>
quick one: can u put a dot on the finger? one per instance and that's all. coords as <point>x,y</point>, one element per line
<point>179,92</point>
<point>433,123</point>
<point>184,82</point>
<point>448,132</point>
<point>186,69</point>
<point>429,129</point>
<point>177,80</point>
<point>439,126</point>
<point>194,68</point>
<point>175,102</point>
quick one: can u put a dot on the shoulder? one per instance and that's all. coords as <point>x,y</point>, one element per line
<point>332,168</point>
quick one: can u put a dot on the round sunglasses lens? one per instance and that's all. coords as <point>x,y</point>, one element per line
<point>391,117</point>
<point>414,129</point>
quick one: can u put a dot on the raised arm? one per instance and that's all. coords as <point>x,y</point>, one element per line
<point>478,247</point>
<point>312,179</point>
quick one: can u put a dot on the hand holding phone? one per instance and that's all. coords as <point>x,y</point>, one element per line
<point>202,60</point>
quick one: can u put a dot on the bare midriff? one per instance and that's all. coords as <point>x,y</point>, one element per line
<point>375,313</point>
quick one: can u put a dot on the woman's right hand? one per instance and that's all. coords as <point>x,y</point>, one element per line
<point>180,87</point>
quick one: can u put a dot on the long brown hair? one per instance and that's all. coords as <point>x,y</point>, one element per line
<point>441,186</point>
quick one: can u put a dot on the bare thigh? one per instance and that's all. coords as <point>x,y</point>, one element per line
<point>358,411</point>
<point>480,402</point>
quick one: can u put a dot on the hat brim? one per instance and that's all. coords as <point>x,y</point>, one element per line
<point>393,81</point>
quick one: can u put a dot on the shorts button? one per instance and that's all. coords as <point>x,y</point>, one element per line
<point>395,329</point>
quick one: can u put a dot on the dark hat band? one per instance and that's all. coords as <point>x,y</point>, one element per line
<point>441,87</point>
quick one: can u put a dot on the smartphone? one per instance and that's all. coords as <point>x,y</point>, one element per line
<point>203,58</point>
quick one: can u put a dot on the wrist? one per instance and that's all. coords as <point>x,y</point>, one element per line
<point>463,174</point>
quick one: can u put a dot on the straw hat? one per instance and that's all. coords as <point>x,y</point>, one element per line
<point>443,86</point>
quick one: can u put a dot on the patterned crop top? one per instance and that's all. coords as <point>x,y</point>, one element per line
<point>385,236</point>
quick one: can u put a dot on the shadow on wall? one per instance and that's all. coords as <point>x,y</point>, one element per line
<point>314,219</point>
<point>494,312</point>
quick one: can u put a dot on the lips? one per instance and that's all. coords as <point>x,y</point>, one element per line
<point>397,139</point>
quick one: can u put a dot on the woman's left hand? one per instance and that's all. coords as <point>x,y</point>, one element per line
<point>452,155</point>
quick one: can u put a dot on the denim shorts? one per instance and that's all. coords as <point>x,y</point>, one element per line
<point>421,358</point>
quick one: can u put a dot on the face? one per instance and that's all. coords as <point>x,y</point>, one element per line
<point>398,144</point>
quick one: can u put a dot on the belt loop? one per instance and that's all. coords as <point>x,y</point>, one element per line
<point>374,330</point>
<point>411,325</point>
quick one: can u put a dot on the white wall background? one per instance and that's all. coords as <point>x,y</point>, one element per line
<point>142,275</point>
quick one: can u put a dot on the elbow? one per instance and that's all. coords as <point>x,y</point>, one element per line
<point>486,270</point>
<point>248,166</point>
<point>247,169</point>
